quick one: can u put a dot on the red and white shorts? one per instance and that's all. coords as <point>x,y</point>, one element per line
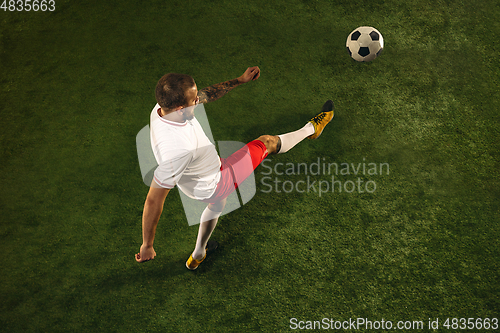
<point>236,168</point>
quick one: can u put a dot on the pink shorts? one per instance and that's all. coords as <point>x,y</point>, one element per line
<point>236,168</point>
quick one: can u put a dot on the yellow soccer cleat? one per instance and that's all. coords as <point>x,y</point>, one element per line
<point>193,264</point>
<point>321,120</point>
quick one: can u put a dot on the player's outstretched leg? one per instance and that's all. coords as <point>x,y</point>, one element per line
<point>312,130</point>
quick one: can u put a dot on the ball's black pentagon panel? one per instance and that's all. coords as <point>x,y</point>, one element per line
<point>374,35</point>
<point>355,35</point>
<point>364,51</point>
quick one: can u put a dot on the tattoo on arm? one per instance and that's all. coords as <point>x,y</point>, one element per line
<point>216,91</point>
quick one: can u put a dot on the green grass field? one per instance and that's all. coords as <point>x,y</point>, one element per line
<point>77,85</point>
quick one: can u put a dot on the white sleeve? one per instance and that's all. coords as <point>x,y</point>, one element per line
<point>168,173</point>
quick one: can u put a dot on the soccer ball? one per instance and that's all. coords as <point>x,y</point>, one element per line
<point>365,44</point>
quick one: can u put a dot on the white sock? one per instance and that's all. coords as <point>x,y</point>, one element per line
<point>208,220</point>
<point>289,140</point>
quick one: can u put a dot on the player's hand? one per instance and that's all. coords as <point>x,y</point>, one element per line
<point>146,253</point>
<point>251,74</point>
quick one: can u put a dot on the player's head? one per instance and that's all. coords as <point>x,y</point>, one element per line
<point>175,92</point>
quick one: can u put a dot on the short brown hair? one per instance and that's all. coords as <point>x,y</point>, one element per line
<point>171,90</point>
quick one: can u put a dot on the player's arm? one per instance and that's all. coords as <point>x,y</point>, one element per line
<point>153,208</point>
<point>216,91</point>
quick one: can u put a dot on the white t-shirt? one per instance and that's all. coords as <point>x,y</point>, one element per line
<point>185,156</point>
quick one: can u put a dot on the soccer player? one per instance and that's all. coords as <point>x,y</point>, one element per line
<point>187,159</point>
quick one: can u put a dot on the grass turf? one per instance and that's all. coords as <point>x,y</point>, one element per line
<point>77,85</point>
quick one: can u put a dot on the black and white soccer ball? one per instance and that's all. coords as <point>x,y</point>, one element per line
<point>365,44</point>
